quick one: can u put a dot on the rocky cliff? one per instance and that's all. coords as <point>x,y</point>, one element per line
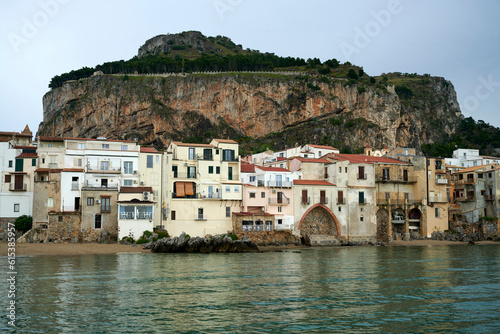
<point>156,109</point>
<point>296,102</point>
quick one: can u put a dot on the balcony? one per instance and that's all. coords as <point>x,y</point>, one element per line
<point>323,200</point>
<point>95,187</point>
<point>362,176</point>
<point>340,200</point>
<point>401,179</point>
<point>201,218</point>
<point>138,215</point>
<point>207,157</point>
<point>213,195</point>
<point>104,171</point>
<point>185,175</point>
<point>17,187</point>
<point>489,197</point>
<point>465,199</point>
<point>441,181</point>
<point>75,186</point>
<point>305,200</point>
<point>53,165</point>
<point>465,181</point>
<point>279,201</point>
<point>279,184</point>
<point>398,201</point>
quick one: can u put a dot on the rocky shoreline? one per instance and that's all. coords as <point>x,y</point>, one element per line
<point>216,244</point>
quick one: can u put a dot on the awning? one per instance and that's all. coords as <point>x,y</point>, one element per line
<point>179,189</point>
<point>189,188</point>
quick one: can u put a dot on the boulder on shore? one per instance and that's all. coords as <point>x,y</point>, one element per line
<point>216,244</point>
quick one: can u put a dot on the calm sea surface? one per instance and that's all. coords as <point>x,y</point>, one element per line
<point>440,289</point>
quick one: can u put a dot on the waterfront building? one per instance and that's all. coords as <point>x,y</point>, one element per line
<point>151,166</point>
<point>203,187</point>
<point>470,158</point>
<point>136,211</point>
<point>18,160</point>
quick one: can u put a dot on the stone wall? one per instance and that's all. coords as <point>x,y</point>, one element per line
<point>318,222</point>
<point>4,225</point>
<point>263,238</point>
<point>66,227</point>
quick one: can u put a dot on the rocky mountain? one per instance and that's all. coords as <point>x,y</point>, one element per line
<point>323,103</point>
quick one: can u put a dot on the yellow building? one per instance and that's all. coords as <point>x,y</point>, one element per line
<point>202,187</point>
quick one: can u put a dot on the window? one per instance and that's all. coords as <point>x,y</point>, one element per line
<point>79,162</point>
<point>191,153</point>
<point>340,197</point>
<point>387,196</point>
<point>228,211</point>
<point>81,146</point>
<point>340,209</point>
<point>361,197</point>
<point>98,221</point>
<point>157,159</point>
<point>33,162</point>
<point>105,204</point>
<point>228,189</point>
<point>252,195</point>
<point>436,212</point>
<point>128,167</point>
<point>217,170</point>
<point>149,161</point>
<point>262,195</point>
<point>252,178</point>
<point>200,214</point>
<point>124,147</point>
<point>345,169</point>
<point>191,172</point>
<point>280,221</point>
<point>236,189</point>
<point>405,175</point>
<point>127,183</point>
<point>60,219</point>
<point>304,196</point>
<point>385,174</point>
<point>217,152</point>
<point>230,173</point>
<point>105,146</point>
<point>361,218</point>
<point>50,202</point>
<point>279,209</point>
<point>340,169</point>
<point>228,155</point>
<point>17,207</point>
<point>479,176</point>
<point>174,171</point>
<point>210,169</point>
<point>104,165</point>
<point>361,173</point>
<point>172,215</point>
<point>90,201</point>
<point>11,163</point>
<point>8,178</point>
<point>490,175</point>
<point>50,145</point>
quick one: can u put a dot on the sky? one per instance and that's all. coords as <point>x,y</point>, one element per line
<point>455,39</point>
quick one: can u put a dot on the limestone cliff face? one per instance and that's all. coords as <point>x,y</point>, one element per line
<point>157,109</point>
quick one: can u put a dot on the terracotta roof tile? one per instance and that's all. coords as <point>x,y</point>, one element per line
<point>247,168</point>
<point>322,146</point>
<point>324,161</point>
<point>227,141</point>
<point>359,158</point>
<point>27,156</point>
<point>273,169</point>
<point>134,190</point>
<point>312,182</point>
<point>149,150</point>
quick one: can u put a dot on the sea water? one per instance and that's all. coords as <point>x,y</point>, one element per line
<point>438,289</point>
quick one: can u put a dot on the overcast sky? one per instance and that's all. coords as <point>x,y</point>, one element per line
<point>456,39</point>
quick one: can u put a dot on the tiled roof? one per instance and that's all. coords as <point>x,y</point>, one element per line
<point>178,143</point>
<point>149,150</point>
<point>3,133</point>
<point>312,182</point>
<point>48,170</point>
<point>359,158</point>
<point>247,168</point>
<point>28,147</point>
<point>73,170</point>
<point>27,155</point>
<point>227,141</point>
<point>134,190</point>
<point>47,138</point>
<point>273,169</point>
<point>322,146</point>
<point>474,168</point>
<point>324,161</point>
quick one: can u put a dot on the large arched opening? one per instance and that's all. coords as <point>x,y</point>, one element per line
<point>319,223</point>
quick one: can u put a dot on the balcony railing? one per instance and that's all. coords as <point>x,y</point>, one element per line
<point>275,200</point>
<point>489,197</point>
<point>117,170</point>
<point>398,201</point>
<point>465,181</point>
<point>441,181</point>
<point>400,179</point>
<point>340,200</point>
<point>201,217</point>
<point>185,175</point>
<point>75,186</point>
<point>323,200</point>
<point>305,200</point>
<point>279,184</point>
<point>465,199</point>
<point>204,157</point>
<point>138,215</point>
<point>362,176</point>
<point>53,165</point>
<point>213,195</point>
<point>17,187</point>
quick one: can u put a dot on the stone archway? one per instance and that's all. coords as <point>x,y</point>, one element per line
<point>383,225</point>
<point>320,224</point>
<point>415,221</point>
<point>398,223</point>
